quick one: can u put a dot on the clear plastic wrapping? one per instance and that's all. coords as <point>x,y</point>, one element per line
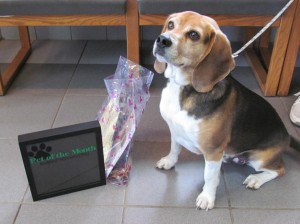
<point>128,93</point>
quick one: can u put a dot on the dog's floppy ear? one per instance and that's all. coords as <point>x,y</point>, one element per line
<point>216,64</point>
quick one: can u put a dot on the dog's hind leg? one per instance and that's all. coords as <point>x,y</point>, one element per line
<point>255,181</point>
<point>171,159</point>
<point>270,165</point>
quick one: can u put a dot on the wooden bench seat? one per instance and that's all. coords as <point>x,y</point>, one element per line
<point>253,14</point>
<point>24,13</point>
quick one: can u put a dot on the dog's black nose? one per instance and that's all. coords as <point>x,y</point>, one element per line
<point>163,41</point>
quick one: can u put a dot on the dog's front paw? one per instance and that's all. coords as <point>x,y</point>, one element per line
<point>205,202</point>
<point>165,163</point>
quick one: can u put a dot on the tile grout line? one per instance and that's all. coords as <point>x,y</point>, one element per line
<point>123,214</point>
<point>127,206</point>
<point>17,214</point>
<point>228,197</point>
<point>169,207</point>
<point>64,96</point>
<point>124,205</point>
<point>265,209</point>
<point>155,206</point>
<point>19,208</point>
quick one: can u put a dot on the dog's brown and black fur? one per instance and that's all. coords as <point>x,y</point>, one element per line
<point>208,111</point>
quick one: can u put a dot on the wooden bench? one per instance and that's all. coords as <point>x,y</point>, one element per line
<point>23,13</point>
<point>245,13</point>
<point>272,77</point>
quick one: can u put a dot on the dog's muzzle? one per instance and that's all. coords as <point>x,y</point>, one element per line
<point>162,42</point>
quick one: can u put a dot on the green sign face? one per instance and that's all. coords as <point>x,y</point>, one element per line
<point>63,160</point>
<point>43,155</point>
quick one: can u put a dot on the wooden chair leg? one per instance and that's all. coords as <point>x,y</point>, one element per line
<point>13,68</point>
<point>264,47</point>
<point>132,31</point>
<point>279,51</point>
<point>257,67</point>
<point>1,86</point>
<point>269,80</point>
<point>291,56</point>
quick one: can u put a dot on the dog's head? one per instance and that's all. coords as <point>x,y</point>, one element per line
<point>194,44</point>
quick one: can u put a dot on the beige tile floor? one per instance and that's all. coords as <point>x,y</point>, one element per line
<point>62,84</point>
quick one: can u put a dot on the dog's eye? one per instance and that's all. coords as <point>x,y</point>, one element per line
<point>193,35</point>
<point>171,25</point>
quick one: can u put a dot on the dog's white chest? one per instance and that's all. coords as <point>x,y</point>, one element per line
<point>184,128</point>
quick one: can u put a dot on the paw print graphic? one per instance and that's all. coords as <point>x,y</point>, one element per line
<point>40,151</point>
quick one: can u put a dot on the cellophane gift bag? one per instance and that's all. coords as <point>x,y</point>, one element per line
<point>128,93</point>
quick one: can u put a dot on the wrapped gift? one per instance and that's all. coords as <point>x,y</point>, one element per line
<point>128,93</point>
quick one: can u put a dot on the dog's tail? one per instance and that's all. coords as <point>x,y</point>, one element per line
<point>295,143</point>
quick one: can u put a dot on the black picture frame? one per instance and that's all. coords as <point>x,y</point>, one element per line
<point>63,160</point>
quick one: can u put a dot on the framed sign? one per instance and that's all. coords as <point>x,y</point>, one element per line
<point>63,160</point>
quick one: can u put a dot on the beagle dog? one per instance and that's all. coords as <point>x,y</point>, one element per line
<point>210,113</point>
